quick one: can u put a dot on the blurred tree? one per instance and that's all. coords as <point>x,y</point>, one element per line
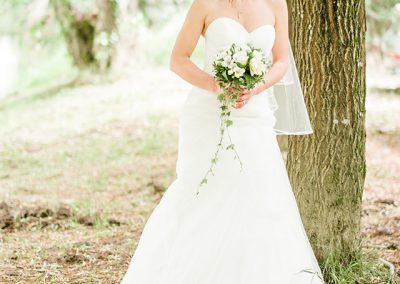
<point>327,169</point>
<point>159,11</point>
<point>12,16</point>
<point>90,35</point>
<point>106,33</point>
<point>381,17</point>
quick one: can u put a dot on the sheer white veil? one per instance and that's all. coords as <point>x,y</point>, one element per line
<point>289,108</point>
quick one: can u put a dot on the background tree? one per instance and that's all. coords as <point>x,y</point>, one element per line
<point>90,34</point>
<point>78,30</point>
<point>382,16</point>
<point>106,36</point>
<point>327,169</point>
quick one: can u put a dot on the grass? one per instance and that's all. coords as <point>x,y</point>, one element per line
<point>107,150</point>
<point>105,161</point>
<point>364,269</point>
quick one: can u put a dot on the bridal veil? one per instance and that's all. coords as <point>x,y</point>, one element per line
<point>288,103</point>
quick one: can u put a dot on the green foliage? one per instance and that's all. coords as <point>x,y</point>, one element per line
<point>47,66</point>
<point>381,16</point>
<point>157,12</point>
<point>365,269</point>
<point>13,16</point>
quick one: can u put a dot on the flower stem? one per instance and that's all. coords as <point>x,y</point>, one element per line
<point>234,149</point>
<point>225,122</point>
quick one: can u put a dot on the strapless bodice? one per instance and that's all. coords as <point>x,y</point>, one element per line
<point>223,31</point>
<point>220,33</point>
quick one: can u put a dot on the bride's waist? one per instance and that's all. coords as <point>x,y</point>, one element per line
<point>202,101</point>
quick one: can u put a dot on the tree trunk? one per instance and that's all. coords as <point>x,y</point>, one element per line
<point>79,32</point>
<point>327,169</point>
<point>90,37</point>
<point>106,33</point>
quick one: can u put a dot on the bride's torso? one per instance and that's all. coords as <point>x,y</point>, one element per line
<point>222,32</point>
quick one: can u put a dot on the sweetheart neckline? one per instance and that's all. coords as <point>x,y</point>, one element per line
<point>238,23</point>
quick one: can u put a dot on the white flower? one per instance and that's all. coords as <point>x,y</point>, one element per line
<point>241,57</point>
<point>231,67</point>
<point>242,47</point>
<point>218,56</point>
<point>257,67</point>
<point>259,56</point>
<point>231,64</point>
<point>227,60</point>
<point>239,72</point>
<point>236,48</point>
<point>246,47</point>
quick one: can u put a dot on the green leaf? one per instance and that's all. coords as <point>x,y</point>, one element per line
<point>225,75</point>
<point>247,77</point>
<point>231,146</point>
<point>229,123</point>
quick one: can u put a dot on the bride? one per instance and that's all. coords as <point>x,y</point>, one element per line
<point>244,226</point>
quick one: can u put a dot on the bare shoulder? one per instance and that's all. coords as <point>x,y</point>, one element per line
<point>278,6</point>
<point>209,7</point>
<point>202,7</point>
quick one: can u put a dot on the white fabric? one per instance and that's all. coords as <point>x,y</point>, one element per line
<point>291,112</point>
<point>244,227</point>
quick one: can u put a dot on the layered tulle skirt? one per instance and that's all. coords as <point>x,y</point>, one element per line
<point>244,225</point>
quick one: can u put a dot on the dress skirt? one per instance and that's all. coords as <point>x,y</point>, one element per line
<point>244,226</point>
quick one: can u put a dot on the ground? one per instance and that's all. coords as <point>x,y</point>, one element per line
<point>82,168</point>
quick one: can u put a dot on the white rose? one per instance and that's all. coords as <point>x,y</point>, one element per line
<point>245,47</point>
<point>238,71</point>
<point>257,54</point>
<point>256,66</point>
<point>227,60</point>
<point>241,57</point>
<point>231,67</point>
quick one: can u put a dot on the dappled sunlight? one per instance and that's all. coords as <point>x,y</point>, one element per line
<point>8,65</point>
<point>86,154</point>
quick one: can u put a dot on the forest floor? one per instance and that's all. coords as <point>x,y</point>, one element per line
<point>82,168</point>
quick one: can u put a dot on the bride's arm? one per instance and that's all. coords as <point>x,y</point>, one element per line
<point>280,50</point>
<point>186,42</point>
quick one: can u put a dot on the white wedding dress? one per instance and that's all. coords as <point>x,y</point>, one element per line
<point>244,227</point>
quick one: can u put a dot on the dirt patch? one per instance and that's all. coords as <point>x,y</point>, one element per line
<point>381,199</point>
<point>28,217</point>
<point>6,219</point>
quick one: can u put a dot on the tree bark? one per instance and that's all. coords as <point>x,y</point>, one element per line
<point>106,33</point>
<point>90,37</point>
<point>79,32</point>
<point>327,169</point>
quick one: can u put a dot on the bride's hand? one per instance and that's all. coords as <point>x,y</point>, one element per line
<point>218,90</point>
<point>244,97</point>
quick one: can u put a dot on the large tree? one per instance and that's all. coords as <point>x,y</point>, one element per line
<point>327,169</point>
<point>90,35</point>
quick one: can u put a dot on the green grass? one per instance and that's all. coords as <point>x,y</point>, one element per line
<point>365,269</point>
<point>98,148</point>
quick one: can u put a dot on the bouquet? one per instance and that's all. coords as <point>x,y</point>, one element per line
<point>235,67</point>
